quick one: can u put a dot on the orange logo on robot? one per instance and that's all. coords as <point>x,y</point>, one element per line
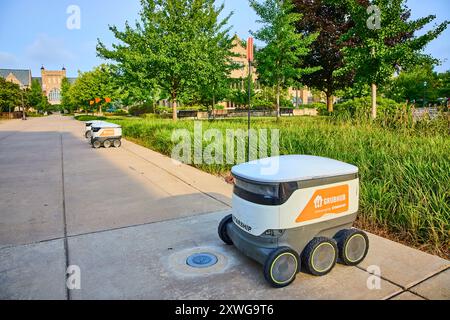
<point>326,201</point>
<point>107,133</point>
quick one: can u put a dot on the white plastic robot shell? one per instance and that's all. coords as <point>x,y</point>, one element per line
<point>292,168</point>
<point>305,206</point>
<point>103,124</point>
<point>299,210</point>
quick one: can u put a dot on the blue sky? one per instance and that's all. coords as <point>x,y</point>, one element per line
<point>34,32</point>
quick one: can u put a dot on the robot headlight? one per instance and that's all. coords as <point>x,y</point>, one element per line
<point>266,190</point>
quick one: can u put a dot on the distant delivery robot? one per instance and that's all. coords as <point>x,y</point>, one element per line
<point>106,134</point>
<point>300,216</point>
<point>88,130</point>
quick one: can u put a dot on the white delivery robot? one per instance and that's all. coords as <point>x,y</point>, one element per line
<point>302,215</point>
<point>88,129</point>
<point>106,134</point>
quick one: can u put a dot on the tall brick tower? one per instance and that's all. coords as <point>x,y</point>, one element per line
<point>51,84</point>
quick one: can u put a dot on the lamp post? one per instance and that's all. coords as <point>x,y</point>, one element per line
<point>23,108</point>
<point>424,92</point>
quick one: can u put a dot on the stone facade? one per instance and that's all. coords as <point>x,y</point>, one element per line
<point>51,84</point>
<point>50,81</point>
<point>297,95</point>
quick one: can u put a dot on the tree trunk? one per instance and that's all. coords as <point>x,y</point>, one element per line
<point>330,105</point>
<point>374,101</point>
<point>174,108</point>
<point>278,101</point>
<point>213,106</point>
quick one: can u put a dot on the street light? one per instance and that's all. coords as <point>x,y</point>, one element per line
<point>424,92</point>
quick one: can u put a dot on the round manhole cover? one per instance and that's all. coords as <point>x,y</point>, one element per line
<point>201,260</point>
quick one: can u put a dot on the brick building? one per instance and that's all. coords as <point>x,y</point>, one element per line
<point>50,81</point>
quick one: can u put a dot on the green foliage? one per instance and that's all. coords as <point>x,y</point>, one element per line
<point>278,61</point>
<point>410,85</point>
<point>89,118</point>
<point>10,95</point>
<point>36,98</point>
<point>318,106</point>
<point>67,100</point>
<point>375,54</point>
<point>179,44</point>
<point>331,21</point>
<point>139,110</point>
<point>98,83</point>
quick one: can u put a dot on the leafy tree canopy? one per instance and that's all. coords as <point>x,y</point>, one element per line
<point>278,61</point>
<point>331,21</point>
<point>178,45</point>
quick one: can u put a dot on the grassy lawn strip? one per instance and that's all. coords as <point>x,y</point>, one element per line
<point>405,175</point>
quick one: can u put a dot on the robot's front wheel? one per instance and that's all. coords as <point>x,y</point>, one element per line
<point>320,256</point>
<point>88,135</point>
<point>222,230</point>
<point>353,246</point>
<point>281,267</point>
<point>96,144</point>
<point>117,143</point>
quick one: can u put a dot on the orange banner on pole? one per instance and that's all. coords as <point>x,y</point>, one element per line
<point>107,100</point>
<point>250,49</point>
<point>97,100</point>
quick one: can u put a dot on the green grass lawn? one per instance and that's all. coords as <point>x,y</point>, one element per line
<point>405,174</point>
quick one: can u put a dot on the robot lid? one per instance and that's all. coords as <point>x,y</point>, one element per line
<point>104,124</point>
<point>292,168</point>
<point>90,123</point>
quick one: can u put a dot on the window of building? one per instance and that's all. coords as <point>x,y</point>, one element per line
<point>54,95</point>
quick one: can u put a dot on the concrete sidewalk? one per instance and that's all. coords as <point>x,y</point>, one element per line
<point>129,217</point>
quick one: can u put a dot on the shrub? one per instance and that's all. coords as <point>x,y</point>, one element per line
<point>140,110</point>
<point>120,112</point>
<point>320,107</point>
<point>89,118</point>
<point>261,104</point>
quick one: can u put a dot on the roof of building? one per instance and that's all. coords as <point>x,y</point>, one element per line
<point>71,80</point>
<point>22,75</point>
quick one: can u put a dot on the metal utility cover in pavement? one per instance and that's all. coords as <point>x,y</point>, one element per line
<point>201,260</point>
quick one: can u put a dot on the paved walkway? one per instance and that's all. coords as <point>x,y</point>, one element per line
<point>129,217</point>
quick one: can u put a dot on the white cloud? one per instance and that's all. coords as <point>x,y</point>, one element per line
<point>49,51</point>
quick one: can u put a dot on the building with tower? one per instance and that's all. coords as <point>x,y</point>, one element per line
<point>50,81</point>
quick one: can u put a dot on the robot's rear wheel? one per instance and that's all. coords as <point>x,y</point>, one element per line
<point>222,230</point>
<point>281,267</point>
<point>353,245</point>
<point>320,256</point>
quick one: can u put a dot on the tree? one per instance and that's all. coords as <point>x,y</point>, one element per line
<point>419,83</point>
<point>96,84</point>
<point>278,61</point>
<point>379,51</point>
<point>67,102</point>
<point>444,85</point>
<point>35,95</point>
<point>331,22</point>
<point>175,43</point>
<point>10,95</point>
